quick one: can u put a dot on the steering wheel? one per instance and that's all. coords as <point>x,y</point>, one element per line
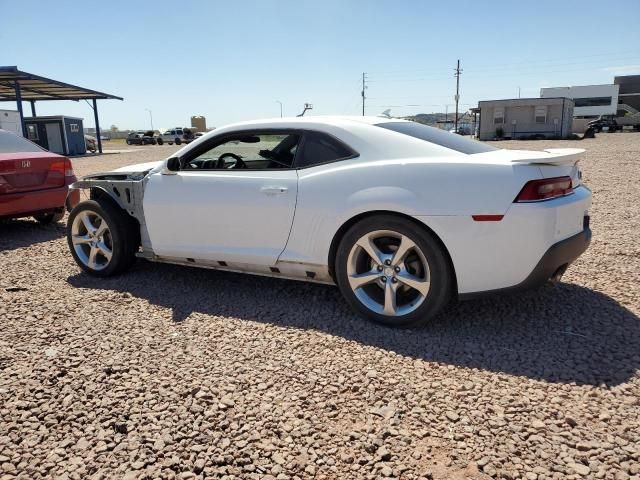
<point>239,162</point>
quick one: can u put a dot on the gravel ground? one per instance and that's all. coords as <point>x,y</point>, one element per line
<point>172,372</point>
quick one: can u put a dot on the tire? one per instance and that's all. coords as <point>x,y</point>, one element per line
<point>120,238</point>
<point>47,218</point>
<point>170,143</point>
<point>128,142</point>
<point>383,296</point>
<point>160,141</point>
<point>178,141</point>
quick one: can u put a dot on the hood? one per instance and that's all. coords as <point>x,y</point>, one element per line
<point>139,167</point>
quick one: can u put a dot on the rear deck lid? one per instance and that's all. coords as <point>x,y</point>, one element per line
<point>25,167</point>
<point>549,156</point>
<point>551,162</point>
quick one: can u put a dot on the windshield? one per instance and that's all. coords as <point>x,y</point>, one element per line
<point>438,137</point>
<point>12,143</point>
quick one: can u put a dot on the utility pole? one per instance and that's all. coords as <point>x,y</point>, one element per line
<point>278,101</point>
<point>364,86</point>
<point>458,71</point>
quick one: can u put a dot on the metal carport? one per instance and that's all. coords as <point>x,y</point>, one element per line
<point>19,86</point>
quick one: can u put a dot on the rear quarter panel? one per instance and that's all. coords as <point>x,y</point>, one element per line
<point>330,195</point>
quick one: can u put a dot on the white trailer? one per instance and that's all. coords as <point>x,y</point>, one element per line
<point>10,121</point>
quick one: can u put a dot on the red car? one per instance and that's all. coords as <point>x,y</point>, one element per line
<point>33,182</point>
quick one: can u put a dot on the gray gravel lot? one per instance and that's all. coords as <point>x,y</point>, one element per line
<point>173,372</point>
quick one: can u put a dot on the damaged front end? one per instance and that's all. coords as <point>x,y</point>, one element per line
<point>125,189</point>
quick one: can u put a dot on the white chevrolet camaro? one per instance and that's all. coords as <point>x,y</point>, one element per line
<point>402,217</point>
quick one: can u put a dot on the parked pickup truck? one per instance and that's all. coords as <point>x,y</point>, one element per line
<point>615,123</point>
<point>141,138</point>
<point>177,135</point>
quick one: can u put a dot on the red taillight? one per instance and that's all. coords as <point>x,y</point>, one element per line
<point>68,168</point>
<point>63,166</point>
<point>545,189</point>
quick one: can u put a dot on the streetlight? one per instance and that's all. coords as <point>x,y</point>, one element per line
<point>278,101</point>
<point>150,117</point>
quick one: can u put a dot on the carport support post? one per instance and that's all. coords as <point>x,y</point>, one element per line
<point>19,102</point>
<point>33,108</point>
<point>95,117</point>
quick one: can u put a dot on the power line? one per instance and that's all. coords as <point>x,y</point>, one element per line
<point>609,56</point>
<point>509,70</point>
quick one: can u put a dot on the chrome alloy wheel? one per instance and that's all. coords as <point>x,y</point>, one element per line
<point>388,273</point>
<point>92,240</point>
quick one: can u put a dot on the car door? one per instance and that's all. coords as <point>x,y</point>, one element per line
<point>217,208</point>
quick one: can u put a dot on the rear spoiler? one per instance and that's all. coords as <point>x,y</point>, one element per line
<point>553,156</point>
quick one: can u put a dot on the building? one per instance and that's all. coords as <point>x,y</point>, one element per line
<point>58,134</point>
<point>629,94</point>
<point>10,121</point>
<point>590,101</point>
<point>526,118</point>
<point>199,123</point>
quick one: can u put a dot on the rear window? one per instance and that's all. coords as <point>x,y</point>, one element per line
<point>12,143</point>
<point>443,138</point>
<point>319,148</point>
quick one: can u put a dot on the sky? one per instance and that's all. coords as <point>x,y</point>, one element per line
<point>234,60</point>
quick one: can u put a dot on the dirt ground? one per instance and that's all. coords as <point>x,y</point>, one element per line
<point>174,372</point>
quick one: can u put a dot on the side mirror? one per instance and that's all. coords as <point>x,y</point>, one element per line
<point>172,166</point>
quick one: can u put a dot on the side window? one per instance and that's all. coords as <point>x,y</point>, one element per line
<point>321,148</point>
<point>248,151</point>
<point>32,132</point>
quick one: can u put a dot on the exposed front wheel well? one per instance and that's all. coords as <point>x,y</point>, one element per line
<point>333,249</point>
<point>101,195</point>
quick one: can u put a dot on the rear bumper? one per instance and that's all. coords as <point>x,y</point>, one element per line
<point>552,264</point>
<point>496,255</point>
<point>26,204</point>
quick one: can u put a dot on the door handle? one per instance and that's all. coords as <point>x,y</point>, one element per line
<point>271,190</point>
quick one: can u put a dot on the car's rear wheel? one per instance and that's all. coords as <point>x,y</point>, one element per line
<point>393,272</point>
<point>160,141</point>
<point>128,142</point>
<point>102,238</point>
<point>47,218</point>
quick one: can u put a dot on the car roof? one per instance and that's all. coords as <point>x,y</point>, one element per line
<point>329,120</point>
<point>360,133</point>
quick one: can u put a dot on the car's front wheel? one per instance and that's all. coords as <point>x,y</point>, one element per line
<point>160,141</point>
<point>178,141</point>
<point>393,271</point>
<point>102,238</point>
